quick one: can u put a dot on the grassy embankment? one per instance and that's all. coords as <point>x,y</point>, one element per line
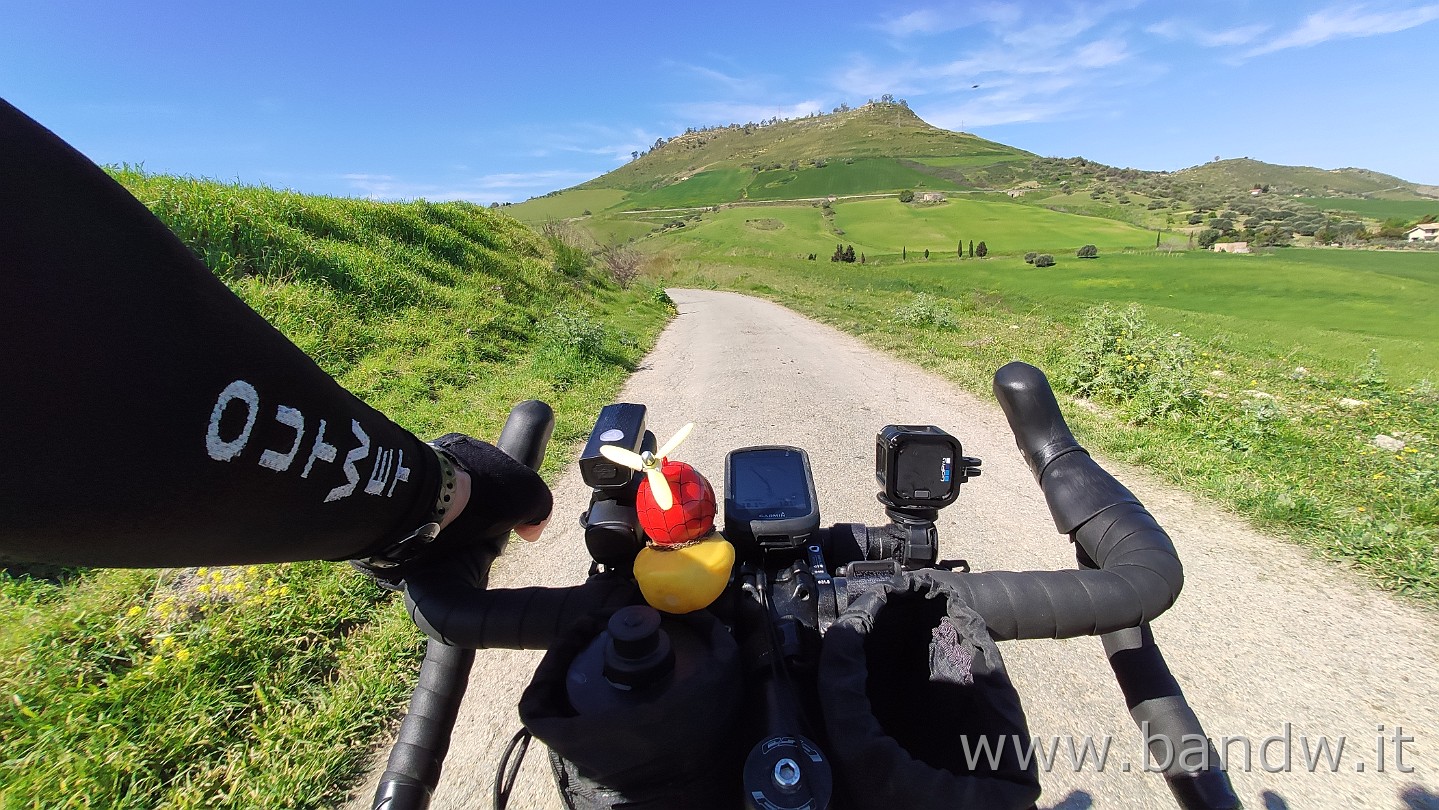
<point>1259,380</point>
<point>266,686</point>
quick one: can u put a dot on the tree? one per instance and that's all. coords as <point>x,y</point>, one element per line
<point>634,155</point>
<point>982,250</point>
<point>1208,237</point>
<point>971,248</point>
<point>1195,219</point>
<point>960,249</point>
<point>906,196</point>
<point>849,254</point>
<point>903,253</point>
<point>1044,260</point>
<point>1030,257</point>
<point>1087,252</point>
<point>1156,240</point>
<point>838,254</point>
<point>861,258</point>
<point>926,253</point>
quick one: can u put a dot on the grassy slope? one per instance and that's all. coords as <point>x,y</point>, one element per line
<point>1290,456</point>
<point>1242,174</point>
<point>708,168</point>
<point>1408,210</point>
<point>265,686</point>
<point>881,228</point>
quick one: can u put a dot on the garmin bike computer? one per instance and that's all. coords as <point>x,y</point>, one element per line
<point>769,497</point>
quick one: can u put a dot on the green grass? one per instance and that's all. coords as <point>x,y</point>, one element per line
<point>967,161</point>
<point>1409,210</point>
<point>863,176</point>
<point>566,204</point>
<point>1243,404</point>
<point>884,228</point>
<point>266,686</point>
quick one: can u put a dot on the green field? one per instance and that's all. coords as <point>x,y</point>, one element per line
<point>1408,210</point>
<point>966,161</point>
<point>885,228</point>
<point>1232,381</point>
<point>565,205</point>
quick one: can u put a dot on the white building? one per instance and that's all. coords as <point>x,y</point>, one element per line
<point>1427,232</point>
<point>1231,247</point>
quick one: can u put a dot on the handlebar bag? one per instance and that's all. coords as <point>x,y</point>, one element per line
<point>919,709</point>
<point>666,751</point>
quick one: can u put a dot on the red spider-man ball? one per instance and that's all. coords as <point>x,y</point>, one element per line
<point>691,517</point>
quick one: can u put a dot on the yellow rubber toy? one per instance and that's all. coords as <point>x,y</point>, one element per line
<point>685,579</point>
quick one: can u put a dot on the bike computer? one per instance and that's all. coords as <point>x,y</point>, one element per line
<point>769,497</point>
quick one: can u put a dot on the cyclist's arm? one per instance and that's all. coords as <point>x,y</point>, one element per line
<point>150,418</point>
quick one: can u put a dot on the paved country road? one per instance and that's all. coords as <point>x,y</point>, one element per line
<point>1264,638</point>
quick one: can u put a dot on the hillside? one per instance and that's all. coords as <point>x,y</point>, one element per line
<point>883,148</point>
<point>876,149</point>
<point>1243,174</point>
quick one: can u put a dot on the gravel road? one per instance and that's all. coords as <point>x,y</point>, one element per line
<point>1265,637</point>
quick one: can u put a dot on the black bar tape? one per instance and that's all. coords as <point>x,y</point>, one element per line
<point>510,619</point>
<point>1173,731</point>
<point>413,769</point>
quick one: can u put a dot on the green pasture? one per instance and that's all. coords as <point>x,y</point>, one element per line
<point>1282,369</point>
<point>978,159</point>
<point>840,178</point>
<point>1408,210</point>
<point>863,176</point>
<point>566,204</point>
<point>1315,308</point>
<point>887,226</point>
<point>786,231</point>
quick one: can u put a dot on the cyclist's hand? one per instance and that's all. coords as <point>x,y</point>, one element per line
<point>493,494</point>
<point>530,532</point>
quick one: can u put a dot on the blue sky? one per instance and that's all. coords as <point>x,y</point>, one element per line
<point>500,102</point>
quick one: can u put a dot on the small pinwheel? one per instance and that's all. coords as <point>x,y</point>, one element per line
<point>651,464</point>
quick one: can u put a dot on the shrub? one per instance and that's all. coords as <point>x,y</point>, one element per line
<point>576,331</point>
<point>906,196</point>
<point>925,310</point>
<point>1122,358</point>
<point>1044,260</point>
<point>1030,257</point>
<point>623,263</point>
<point>1195,219</point>
<point>1087,252</point>
<point>981,251</point>
<point>1208,237</point>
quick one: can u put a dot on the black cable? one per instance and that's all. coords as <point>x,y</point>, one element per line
<point>508,772</point>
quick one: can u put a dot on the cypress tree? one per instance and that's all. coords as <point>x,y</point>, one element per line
<point>971,248</point>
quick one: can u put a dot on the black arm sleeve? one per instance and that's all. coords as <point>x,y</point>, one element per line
<point>148,416</point>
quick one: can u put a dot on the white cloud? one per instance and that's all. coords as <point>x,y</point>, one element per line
<point>501,187</point>
<point>932,21</point>
<point>1234,36</point>
<point>1347,22</point>
<point>738,112</point>
<point>733,83</point>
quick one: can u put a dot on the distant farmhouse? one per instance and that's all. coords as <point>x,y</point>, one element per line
<point>1231,247</point>
<point>930,196</point>
<point>1426,232</point>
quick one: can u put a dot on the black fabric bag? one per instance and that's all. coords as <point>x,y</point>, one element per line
<point>912,686</point>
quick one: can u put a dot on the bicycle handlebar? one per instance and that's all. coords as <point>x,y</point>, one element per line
<point>413,769</point>
<point>1129,573</point>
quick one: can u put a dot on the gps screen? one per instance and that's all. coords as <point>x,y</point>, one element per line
<point>771,482</point>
